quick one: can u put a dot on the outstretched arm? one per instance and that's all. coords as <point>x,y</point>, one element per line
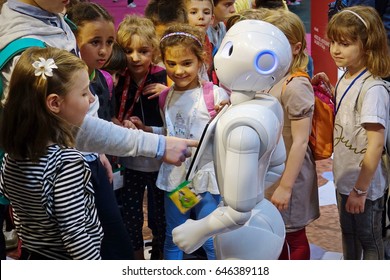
<point>100,136</point>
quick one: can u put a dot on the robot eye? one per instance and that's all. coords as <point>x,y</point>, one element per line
<point>227,49</point>
<point>266,62</point>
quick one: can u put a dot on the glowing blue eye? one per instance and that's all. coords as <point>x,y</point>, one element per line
<point>266,62</point>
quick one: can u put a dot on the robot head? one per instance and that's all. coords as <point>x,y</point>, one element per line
<point>253,55</point>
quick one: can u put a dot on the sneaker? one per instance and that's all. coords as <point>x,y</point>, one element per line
<point>131,5</point>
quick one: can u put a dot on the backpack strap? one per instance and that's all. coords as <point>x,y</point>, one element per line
<point>163,97</point>
<point>110,82</point>
<point>292,76</point>
<point>17,46</point>
<point>14,48</point>
<point>208,96</point>
<point>368,83</point>
<point>71,24</point>
<point>154,69</point>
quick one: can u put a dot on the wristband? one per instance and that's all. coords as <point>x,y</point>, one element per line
<point>360,192</point>
<point>161,147</point>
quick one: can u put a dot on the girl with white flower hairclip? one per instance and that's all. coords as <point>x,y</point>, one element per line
<point>42,174</point>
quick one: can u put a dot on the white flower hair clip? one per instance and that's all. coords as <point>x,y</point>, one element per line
<point>44,67</point>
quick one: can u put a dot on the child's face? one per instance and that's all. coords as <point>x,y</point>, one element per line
<point>223,10</point>
<point>199,13</point>
<point>139,57</point>
<point>75,105</point>
<point>95,40</point>
<point>52,6</point>
<point>347,55</point>
<point>182,67</point>
<point>115,77</point>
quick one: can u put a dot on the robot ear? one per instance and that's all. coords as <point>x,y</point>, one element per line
<point>227,49</point>
<point>266,62</point>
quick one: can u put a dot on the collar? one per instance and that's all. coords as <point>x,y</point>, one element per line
<point>36,12</point>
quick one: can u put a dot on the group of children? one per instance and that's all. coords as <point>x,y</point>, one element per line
<point>160,76</point>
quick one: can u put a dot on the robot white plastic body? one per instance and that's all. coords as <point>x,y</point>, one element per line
<point>249,159</point>
<point>249,152</point>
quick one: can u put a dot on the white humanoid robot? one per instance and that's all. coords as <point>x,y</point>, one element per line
<point>249,152</point>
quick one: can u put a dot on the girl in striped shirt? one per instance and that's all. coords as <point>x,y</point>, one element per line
<point>46,180</point>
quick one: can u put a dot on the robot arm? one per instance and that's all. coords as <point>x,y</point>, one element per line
<point>240,192</point>
<point>276,166</point>
<point>240,187</point>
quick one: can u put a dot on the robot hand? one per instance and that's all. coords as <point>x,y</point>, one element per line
<point>192,234</point>
<point>189,236</point>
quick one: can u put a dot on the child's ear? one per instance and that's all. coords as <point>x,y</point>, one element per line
<point>296,48</point>
<point>53,102</point>
<point>212,20</point>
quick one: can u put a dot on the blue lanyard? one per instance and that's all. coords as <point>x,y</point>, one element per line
<point>351,84</point>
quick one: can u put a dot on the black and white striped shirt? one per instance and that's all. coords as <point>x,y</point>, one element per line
<point>53,204</point>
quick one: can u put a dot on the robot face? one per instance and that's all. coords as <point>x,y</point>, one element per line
<point>253,55</point>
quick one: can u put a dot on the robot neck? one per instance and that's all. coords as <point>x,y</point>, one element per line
<point>237,97</point>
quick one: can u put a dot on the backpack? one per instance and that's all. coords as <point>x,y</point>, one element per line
<point>368,83</point>
<point>15,48</point>
<point>19,45</point>
<point>321,136</point>
<point>208,95</point>
<point>110,83</point>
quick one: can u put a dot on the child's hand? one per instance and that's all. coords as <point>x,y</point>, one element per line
<point>281,197</point>
<point>221,104</point>
<point>107,165</point>
<point>154,90</point>
<point>355,203</point>
<point>322,78</point>
<point>129,124</point>
<point>137,122</point>
<point>176,150</point>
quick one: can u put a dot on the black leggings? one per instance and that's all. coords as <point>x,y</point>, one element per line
<point>132,195</point>
<point>116,244</point>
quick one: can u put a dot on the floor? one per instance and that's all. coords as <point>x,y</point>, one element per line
<point>324,234</point>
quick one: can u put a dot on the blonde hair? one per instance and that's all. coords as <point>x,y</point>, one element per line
<point>368,30</point>
<point>258,14</point>
<point>292,26</point>
<point>143,28</point>
<point>27,125</point>
<point>192,39</point>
